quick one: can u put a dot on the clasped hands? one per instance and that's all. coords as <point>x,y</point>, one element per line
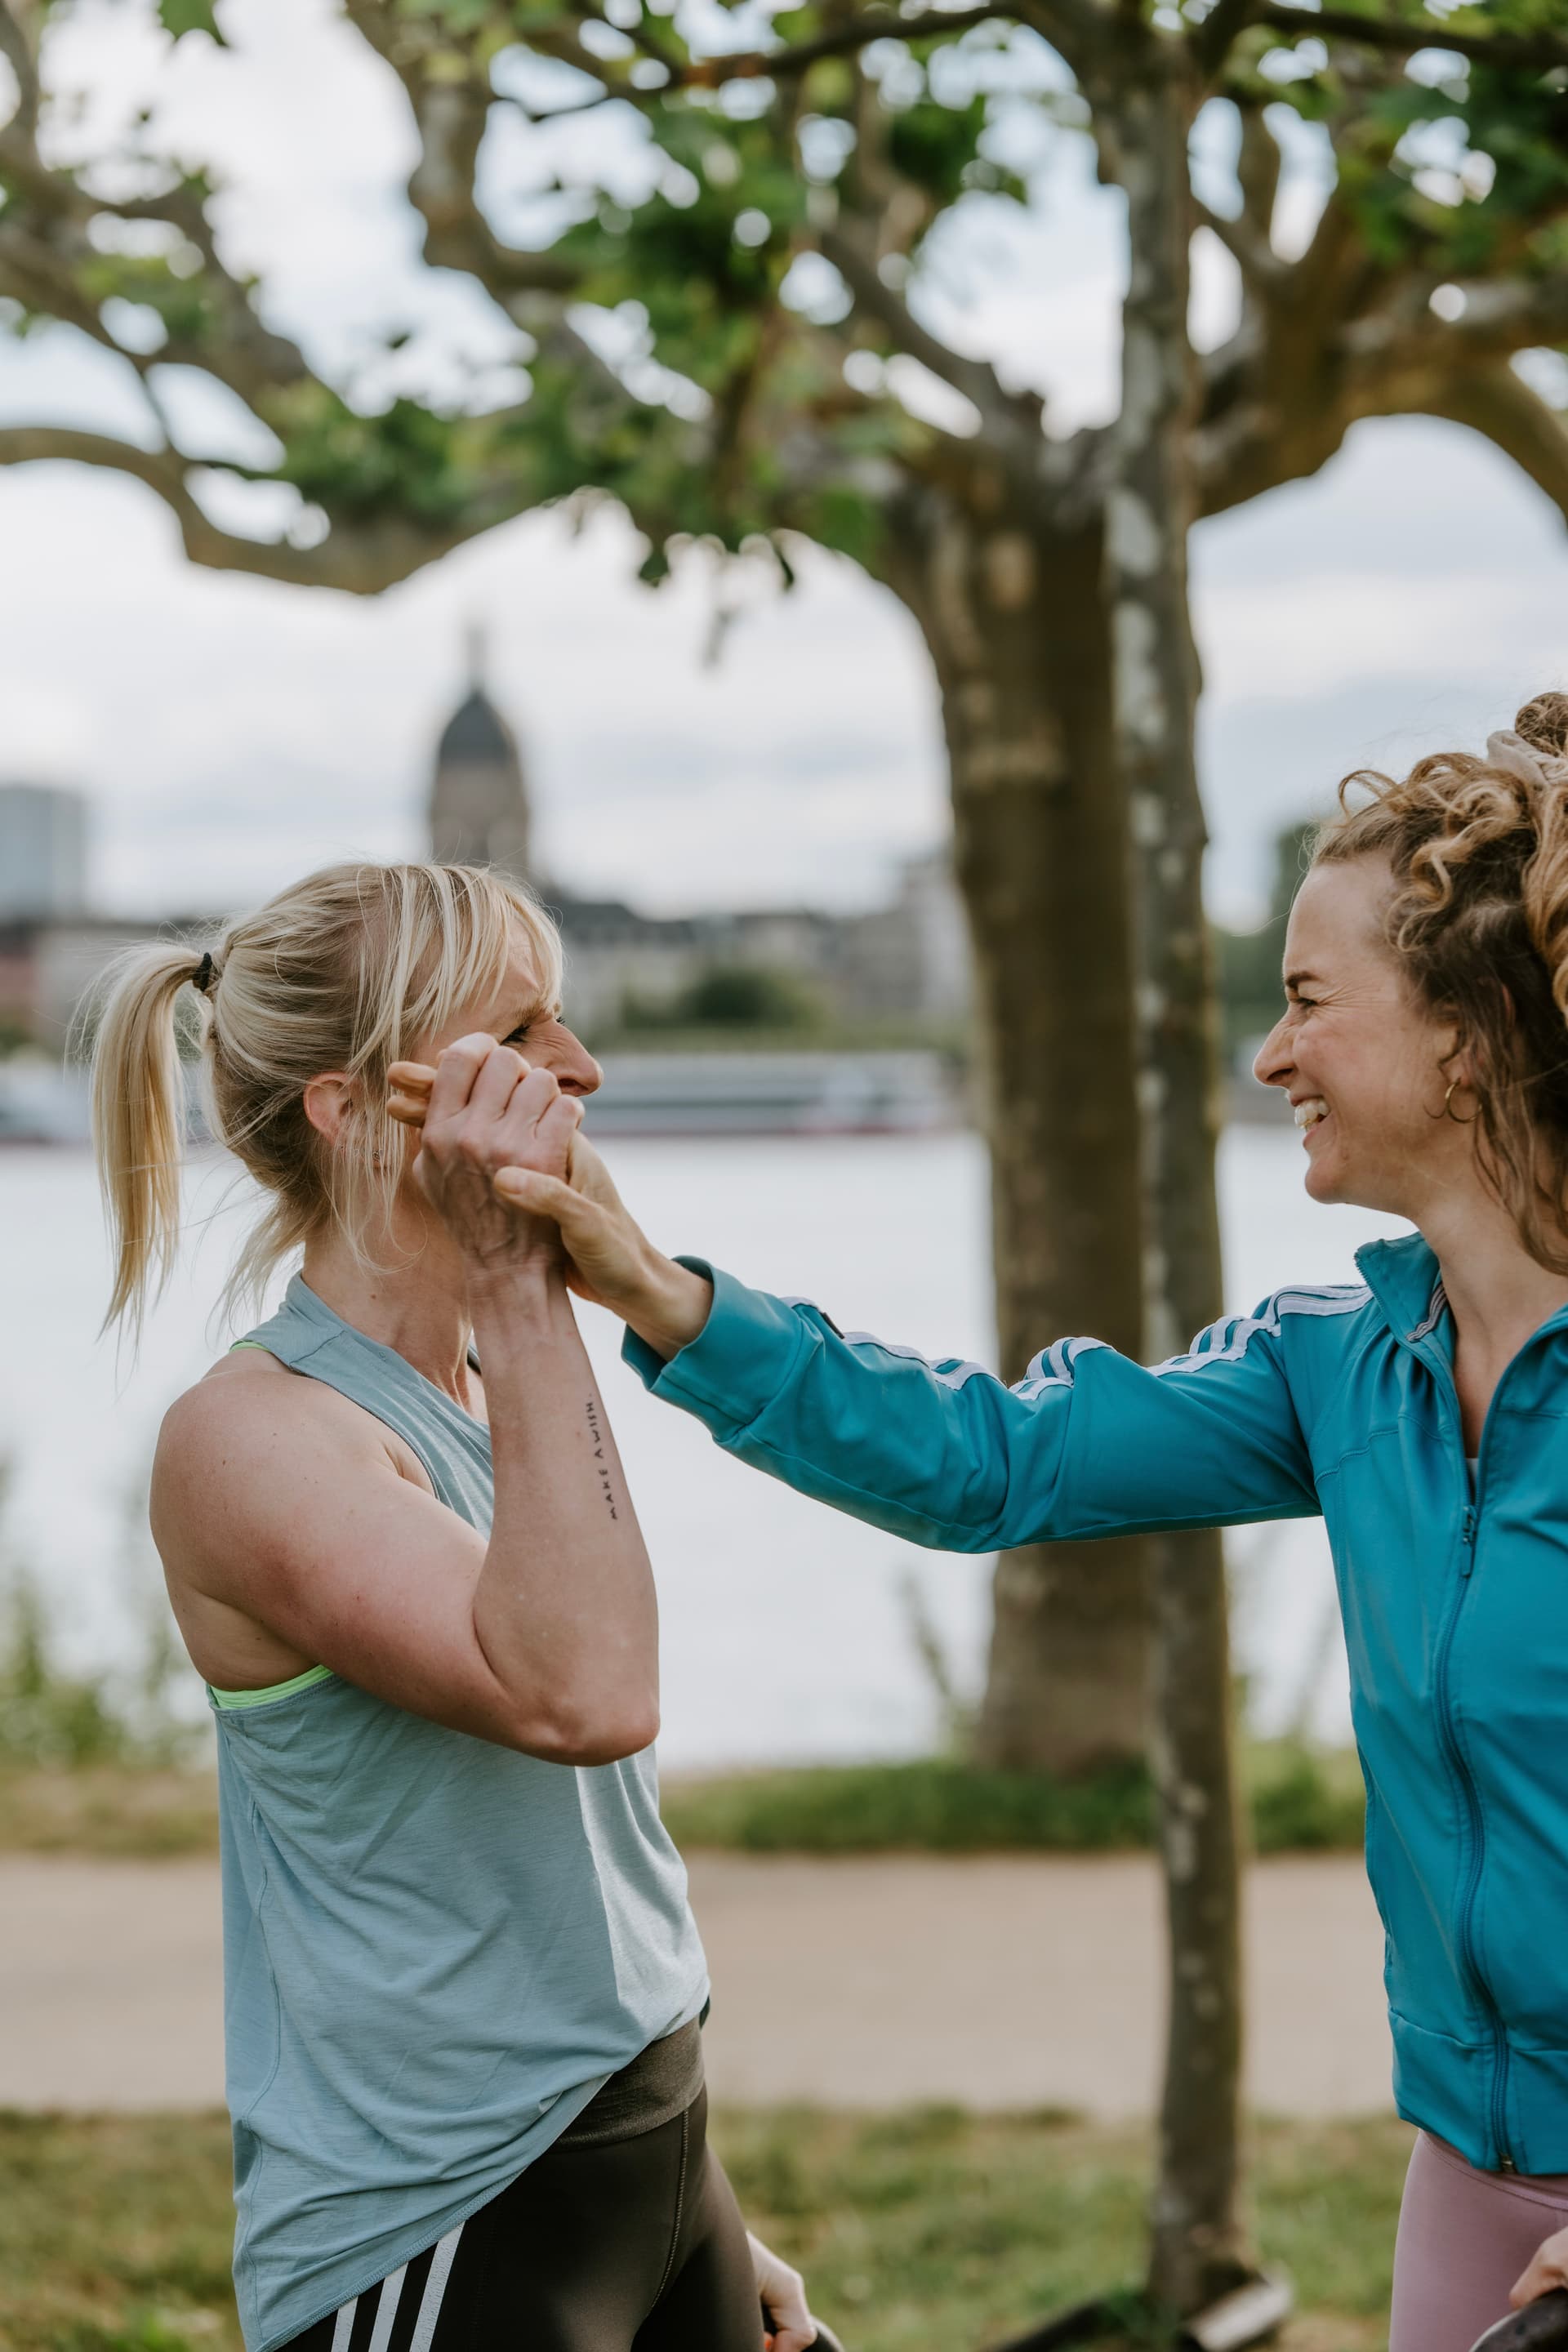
<point>610,1261</point>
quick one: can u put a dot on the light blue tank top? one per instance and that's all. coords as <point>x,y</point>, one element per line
<point>435,1951</point>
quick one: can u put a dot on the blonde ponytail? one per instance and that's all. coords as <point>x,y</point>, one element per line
<point>343,972</point>
<point>138,1116</point>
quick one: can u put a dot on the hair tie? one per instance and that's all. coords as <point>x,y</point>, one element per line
<point>1537,770</point>
<point>201,979</point>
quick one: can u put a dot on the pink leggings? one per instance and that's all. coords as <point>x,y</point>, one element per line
<point>1464,2238</point>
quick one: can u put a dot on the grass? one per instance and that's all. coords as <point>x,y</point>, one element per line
<point>115,2235</point>
<point>934,2230</point>
<point>926,2231</point>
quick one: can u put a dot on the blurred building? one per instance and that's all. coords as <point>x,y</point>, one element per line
<point>906,962</point>
<point>478,802</point>
<point>50,947</point>
<point>910,958</point>
<point>49,966</point>
<point>43,853</point>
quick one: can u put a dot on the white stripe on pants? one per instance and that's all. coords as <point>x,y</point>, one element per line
<point>391,2295</point>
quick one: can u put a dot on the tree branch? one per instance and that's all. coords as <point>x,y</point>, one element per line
<point>1512,317</point>
<point>449,116</point>
<point>1498,320</point>
<point>1527,52</point>
<point>1213,40</point>
<point>1076,30</point>
<point>361,558</point>
<point>1259,167</point>
<point>1498,402</point>
<point>883,24</point>
<point>19,53</point>
<point>45,244</point>
<point>975,379</point>
<point>1251,250</point>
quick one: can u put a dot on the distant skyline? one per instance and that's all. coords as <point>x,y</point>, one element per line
<point>232,732</point>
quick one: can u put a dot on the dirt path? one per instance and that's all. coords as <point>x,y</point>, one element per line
<point>1010,1982</point>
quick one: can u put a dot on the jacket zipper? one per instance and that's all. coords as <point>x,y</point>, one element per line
<point>1473,1874</point>
<point>1469,1529</point>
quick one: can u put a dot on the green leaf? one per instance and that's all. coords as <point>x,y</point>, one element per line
<point>179,18</point>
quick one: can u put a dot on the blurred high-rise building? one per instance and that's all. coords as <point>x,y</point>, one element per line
<point>43,853</point>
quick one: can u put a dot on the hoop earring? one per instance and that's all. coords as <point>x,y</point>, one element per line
<point>1448,1111</point>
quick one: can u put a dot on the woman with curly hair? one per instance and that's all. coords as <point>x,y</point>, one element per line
<point>1422,1412</point>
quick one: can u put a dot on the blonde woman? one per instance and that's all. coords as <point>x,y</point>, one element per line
<point>463,1985</point>
<point>1422,1411</point>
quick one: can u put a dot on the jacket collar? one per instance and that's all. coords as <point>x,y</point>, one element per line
<point>1402,1278</point>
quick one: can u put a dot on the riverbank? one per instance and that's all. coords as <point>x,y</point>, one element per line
<point>1299,1799</point>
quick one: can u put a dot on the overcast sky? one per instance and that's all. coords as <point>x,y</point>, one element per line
<point>233,732</point>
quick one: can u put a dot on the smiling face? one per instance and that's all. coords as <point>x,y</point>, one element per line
<point>1364,1064</point>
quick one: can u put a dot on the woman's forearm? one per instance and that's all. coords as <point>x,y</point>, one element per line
<point>565,1609</point>
<point>1087,1444</point>
<point>612,1260</point>
<point>665,1304</point>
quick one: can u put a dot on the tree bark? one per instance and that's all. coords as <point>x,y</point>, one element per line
<point>1014,617</point>
<point>1196,2249</point>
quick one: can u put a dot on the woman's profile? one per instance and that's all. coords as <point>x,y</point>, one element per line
<point>463,1986</point>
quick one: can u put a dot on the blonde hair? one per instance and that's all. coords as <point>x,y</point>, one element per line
<point>344,971</point>
<point>1479,918</point>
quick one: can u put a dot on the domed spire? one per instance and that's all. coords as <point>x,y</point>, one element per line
<point>479,806</point>
<point>476,730</point>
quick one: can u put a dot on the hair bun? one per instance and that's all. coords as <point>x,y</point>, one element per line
<point>1543,724</point>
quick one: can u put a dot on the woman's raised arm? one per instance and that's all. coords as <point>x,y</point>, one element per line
<point>944,1454</point>
<point>280,1503</point>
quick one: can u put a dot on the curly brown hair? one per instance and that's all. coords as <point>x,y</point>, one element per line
<point>1479,918</point>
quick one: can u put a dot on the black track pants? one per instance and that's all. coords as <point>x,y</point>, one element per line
<point>636,2246</point>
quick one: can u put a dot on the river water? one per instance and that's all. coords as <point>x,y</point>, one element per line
<point>788,1631</point>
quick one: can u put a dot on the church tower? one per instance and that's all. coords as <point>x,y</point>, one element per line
<point>478,802</point>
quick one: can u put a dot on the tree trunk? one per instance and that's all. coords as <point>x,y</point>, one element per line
<point>1197,2251</point>
<point>1015,618</point>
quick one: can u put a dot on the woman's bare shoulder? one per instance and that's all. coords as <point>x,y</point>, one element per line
<point>245,1395</point>
<point>251,1412</point>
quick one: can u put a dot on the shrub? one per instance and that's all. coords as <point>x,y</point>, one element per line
<point>1297,1799</point>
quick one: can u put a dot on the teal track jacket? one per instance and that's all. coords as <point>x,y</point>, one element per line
<point>1339,1401</point>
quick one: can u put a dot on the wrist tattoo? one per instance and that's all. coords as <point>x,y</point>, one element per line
<point>601,1460</point>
